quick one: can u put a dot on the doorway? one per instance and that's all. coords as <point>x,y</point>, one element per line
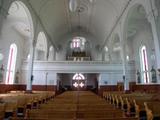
<point>78,81</point>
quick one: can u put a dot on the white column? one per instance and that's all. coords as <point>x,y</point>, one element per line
<point>156,42</point>
<point>123,56</point>
<point>30,67</point>
<point>151,18</point>
<point>124,77</point>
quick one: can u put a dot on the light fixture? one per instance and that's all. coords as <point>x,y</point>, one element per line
<point>127,57</point>
<point>73,5</point>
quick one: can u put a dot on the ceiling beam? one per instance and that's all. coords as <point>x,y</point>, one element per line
<point>42,25</point>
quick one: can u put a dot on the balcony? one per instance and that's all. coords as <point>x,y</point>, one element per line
<point>78,66</point>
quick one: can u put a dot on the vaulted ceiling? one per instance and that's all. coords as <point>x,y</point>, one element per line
<point>95,18</point>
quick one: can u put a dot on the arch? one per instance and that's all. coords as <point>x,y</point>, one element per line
<point>19,18</point>
<point>19,26</point>
<point>124,25</point>
<point>78,76</point>
<point>135,21</point>
<point>41,47</point>
<point>11,64</point>
<point>137,30</point>
<point>128,15</point>
<point>20,10</point>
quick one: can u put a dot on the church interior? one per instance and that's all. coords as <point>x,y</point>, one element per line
<point>79,59</point>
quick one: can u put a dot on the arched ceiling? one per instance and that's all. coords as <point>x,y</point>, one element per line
<point>137,20</point>
<point>17,13</point>
<point>96,18</point>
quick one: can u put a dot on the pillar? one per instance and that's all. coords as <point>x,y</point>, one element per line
<point>123,57</point>
<point>30,67</point>
<point>152,20</point>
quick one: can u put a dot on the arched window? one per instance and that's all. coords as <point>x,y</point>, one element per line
<point>11,64</point>
<point>78,76</point>
<point>144,64</point>
<point>78,80</point>
<point>41,47</point>
<point>78,42</point>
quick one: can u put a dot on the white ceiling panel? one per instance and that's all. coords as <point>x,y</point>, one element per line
<point>96,18</point>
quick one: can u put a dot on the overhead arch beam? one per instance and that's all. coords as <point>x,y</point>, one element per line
<point>116,23</point>
<point>42,25</point>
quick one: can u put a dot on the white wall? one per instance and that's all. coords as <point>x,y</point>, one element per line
<point>41,77</point>
<point>112,73</point>
<point>110,78</point>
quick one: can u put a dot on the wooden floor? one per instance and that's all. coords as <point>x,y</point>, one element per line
<point>77,105</point>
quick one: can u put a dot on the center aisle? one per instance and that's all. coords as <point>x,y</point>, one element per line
<point>77,105</point>
<point>91,106</point>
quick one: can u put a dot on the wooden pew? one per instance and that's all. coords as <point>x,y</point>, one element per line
<point>138,99</point>
<point>15,100</point>
<point>2,110</point>
<point>153,109</point>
